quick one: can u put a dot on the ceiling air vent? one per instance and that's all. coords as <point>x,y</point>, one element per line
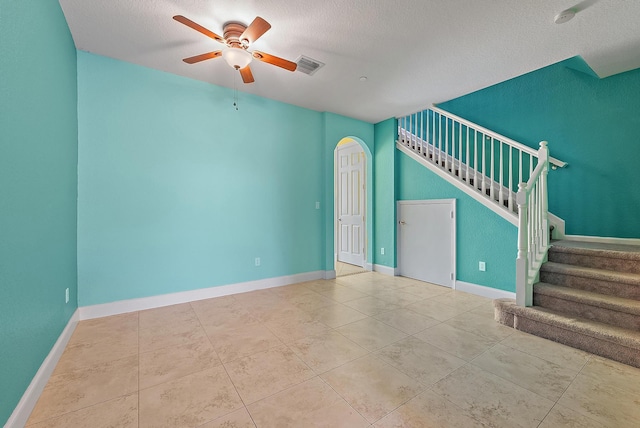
<point>308,65</point>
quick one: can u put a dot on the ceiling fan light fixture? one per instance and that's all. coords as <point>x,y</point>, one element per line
<point>237,58</point>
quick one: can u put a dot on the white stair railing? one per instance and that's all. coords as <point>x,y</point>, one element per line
<point>489,167</point>
<point>478,157</point>
<point>533,228</point>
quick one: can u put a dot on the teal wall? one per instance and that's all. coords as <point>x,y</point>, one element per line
<point>481,234</point>
<point>335,128</point>
<point>38,188</point>
<point>180,191</point>
<point>385,193</point>
<point>594,124</point>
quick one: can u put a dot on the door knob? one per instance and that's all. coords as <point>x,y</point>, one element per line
<point>402,222</point>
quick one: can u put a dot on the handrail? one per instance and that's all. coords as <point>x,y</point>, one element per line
<point>556,162</point>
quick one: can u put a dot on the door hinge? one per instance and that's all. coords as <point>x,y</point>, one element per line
<point>451,214</point>
<point>452,277</point>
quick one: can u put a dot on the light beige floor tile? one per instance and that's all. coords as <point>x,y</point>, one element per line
<point>263,374</point>
<point>371,305</point>
<point>119,412</point>
<point>108,329</point>
<point>455,341</point>
<point>491,399</point>
<point>461,300</point>
<point>420,360</point>
<point>428,410</point>
<point>560,416</point>
<point>598,400</point>
<point>327,350</point>
<point>310,302</point>
<point>398,297</point>
<point>82,388</point>
<point>79,355</point>
<point>293,290</point>
<point>319,285</point>
<point>485,309</point>
<point>537,375</point>
<point>406,320</point>
<point>172,334</point>
<point>434,310</point>
<point>336,315</point>
<point>159,317</point>
<point>226,317</point>
<point>189,401</point>
<point>278,310</point>
<point>372,387</point>
<point>548,350</point>
<point>341,294</point>
<point>312,403</point>
<point>174,362</point>
<point>614,374</point>
<point>231,344</point>
<point>426,290</point>
<point>482,326</point>
<point>238,419</point>
<point>290,330</point>
<point>231,301</point>
<point>371,334</point>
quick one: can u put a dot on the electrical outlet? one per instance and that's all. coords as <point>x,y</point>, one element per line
<point>257,261</point>
<point>482,266</point>
<point>317,205</point>
<point>66,295</point>
<point>382,251</point>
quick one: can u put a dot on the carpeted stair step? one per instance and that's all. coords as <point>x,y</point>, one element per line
<point>617,343</point>
<point>621,284</point>
<point>607,309</point>
<point>620,258</point>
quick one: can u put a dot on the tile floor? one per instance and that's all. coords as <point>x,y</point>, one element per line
<point>363,350</point>
<point>344,269</point>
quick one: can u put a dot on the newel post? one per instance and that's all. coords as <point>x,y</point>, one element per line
<point>523,294</point>
<point>543,156</point>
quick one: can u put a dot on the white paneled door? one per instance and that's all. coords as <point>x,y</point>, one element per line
<point>426,235</point>
<point>350,203</point>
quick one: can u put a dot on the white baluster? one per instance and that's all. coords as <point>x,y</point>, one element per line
<point>501,193</point>
<point>475,159</point>
<point>467,159</point>
<point>492,179</point>
<point>484,166</point>
<point>510,203</point>
<point>446,142</point>
<point>460,151</point>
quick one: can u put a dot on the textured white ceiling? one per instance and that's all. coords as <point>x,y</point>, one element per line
<point>414,52</point>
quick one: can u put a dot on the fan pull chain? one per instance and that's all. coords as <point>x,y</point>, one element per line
<point>235,91</point>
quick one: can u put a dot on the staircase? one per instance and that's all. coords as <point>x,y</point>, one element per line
<point>588,297</point>
<point>580,294</point>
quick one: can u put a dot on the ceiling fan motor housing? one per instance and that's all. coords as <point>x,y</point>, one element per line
<point>232,33</point>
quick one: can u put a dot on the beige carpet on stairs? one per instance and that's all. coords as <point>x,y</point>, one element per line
<point>588,297</point>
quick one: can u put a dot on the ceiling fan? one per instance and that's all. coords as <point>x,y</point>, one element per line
<point>238,38</point>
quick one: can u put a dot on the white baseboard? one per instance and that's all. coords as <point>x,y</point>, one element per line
<point>481,290</point>
<point>603,239</point>
<point>369,266</point>
<point>142,303</point>
<point>30,397</point>
<point>386,270</point>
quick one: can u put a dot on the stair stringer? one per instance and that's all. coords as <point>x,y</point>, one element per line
<point>471,191</point>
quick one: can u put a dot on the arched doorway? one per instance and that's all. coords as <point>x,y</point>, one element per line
<point>351,198</point>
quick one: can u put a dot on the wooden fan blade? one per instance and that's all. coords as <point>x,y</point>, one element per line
<point>247,76</point>
<point>189,23</point>
<point>274,60</point>
<point>256,29</point>
<point>202,57</point>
